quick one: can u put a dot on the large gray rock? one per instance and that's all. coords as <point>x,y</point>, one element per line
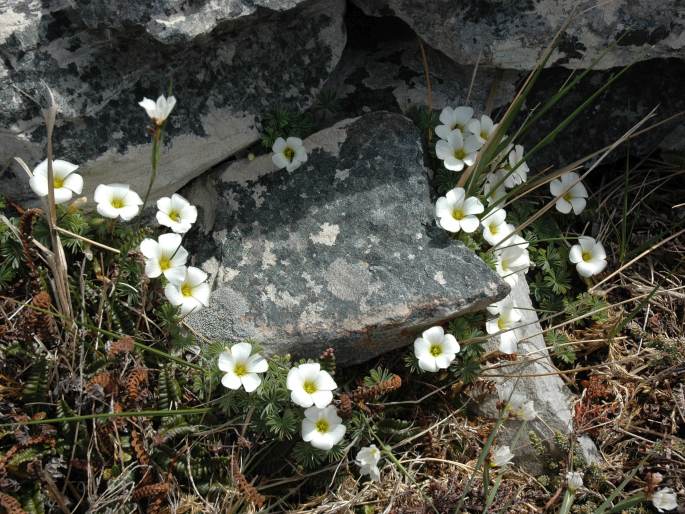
<point>532,377</point>
<point>512,35</point>
<point>229,64</point>
<point>337,253</point>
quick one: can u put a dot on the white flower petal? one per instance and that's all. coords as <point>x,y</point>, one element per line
<point>250,381</point>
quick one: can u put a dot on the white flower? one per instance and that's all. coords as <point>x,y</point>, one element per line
<point>453,119</point>
<point>508,318</point>
<point>520,173</point>
<point>501,456</point>
<point>664,499</point>
<point>512,259</point>
<point>457,150</point>
<point>574,198</point>
<point>322,428</point>
<point>241,368</point>
<point>64,180</point>
<point>495,228</point>
<point>117,201</point>
<point>492,193</point>
<point>166,255</point>
<point>588,256</point>
<point>288,153</point>
<point>158,112</point>
<point>482,128</point>
<point>455,212</point>
<point>191,294</point>
<point>574,480</point>
<point>435,350</point>
<point>176,213</point>
<point>310,385</point>
<point>521,409</point>
<point>367,459</point>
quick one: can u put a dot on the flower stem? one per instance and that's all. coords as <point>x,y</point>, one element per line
<point>156,149</point>
<point>566,504</point>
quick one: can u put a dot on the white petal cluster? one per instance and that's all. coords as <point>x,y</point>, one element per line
<point>455,212</point>
<point>288,153</point>
<point>508,318</point>
<point>521,409</point>
<point>66,183</point>
<point>664,499</point>
<point>453,119</point>
<point>310,385</point>
<point>588,256</point>
<point>165,256</point>
<point>367,459</point>
<point>117,201</point>
<point>158,111</point>
<point>517,169</point>
<point>457,150</point>
<point>241,367</point>
<point>513,259</point>
<point>500,456</point>
<point>435,350</point>
<point>570,192</point>
<point>191,293</point>
<point>461,136</point>
<point>176,213</point>
<point>322,427</point>
<point>574,480</point>
<point>482,128</point>
<point>495,227</point>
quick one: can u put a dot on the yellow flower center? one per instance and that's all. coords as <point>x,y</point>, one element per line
<point>58,182</point>
<point>501,324</point>
<point>289,153</point>
<point>175,216</point>
<point>309,387</point>
<point>435,350</point>
<point>587,256</point>
<point>484,135</point>
<point>459,153</point>
<point>117,203</point>
<point>567,197</point>
<point>493,229</point>
<point>322,426</point>
<point>186,290</point>
<point>240,369</point>
<point>164,263</point>
<point>458,214</point>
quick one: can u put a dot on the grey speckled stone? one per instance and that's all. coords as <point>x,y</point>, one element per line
<point>338,253</point>
<point>513,34</point>
<point>551,397</point>
<point>229,67</point>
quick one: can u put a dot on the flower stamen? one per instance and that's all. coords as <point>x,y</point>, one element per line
<point>289,154</point>
<point>240,369</point>
<point>435,350</point>
<point>458,214</point>
<point>58,182</point>
<point>186,290</point>
<point>309,387</point>
<point>322,426</point>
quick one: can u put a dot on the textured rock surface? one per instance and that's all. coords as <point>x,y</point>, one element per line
<point>337,253</point>
<point>513,34</point>
<point>229,66</point>
<point>548,392</point>
<point>382,68</point>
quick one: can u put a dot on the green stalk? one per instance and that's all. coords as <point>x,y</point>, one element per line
<point>629,502</point>
<point>156,150</point>
<point>481,460</point>
<point>106,415</point>
<point>567,503</point>
<point>550,137</point>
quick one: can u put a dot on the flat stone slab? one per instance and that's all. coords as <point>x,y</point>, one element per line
<point>533,378</point>
<point>341,253</point>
